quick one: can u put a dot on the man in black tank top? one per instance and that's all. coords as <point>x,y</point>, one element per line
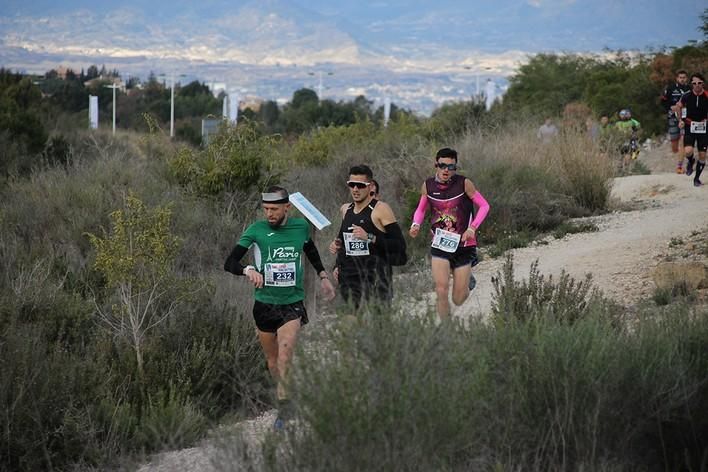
<point>670,97</point>
<point>368,243</point>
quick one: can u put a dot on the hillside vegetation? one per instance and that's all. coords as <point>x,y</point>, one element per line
<point>120,333</point>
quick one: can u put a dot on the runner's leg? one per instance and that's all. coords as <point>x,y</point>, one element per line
<point>460,284</point>
<point>690,158</point>
<point>286,338</point>
<point>473,282</point>
<point>679,154</point>
<point>441,277</point>
<point>676,139</point>
<point>699,168</point>
<point>269,344</point>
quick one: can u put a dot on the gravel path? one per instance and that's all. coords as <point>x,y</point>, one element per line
<point>622,253</point>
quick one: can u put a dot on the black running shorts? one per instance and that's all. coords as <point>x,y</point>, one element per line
<point>696,140</point>
<point>465,255</point>
<point>374,287</point>
<point>270,317</point>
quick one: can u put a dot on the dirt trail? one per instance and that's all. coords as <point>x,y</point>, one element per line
<point>619,256</point>
<point>627,246</point>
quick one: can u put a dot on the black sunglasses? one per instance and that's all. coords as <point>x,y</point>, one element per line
<point>440,165</point>
<point>357,184</point>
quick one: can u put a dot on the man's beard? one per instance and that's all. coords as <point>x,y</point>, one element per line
<point>278,223</point>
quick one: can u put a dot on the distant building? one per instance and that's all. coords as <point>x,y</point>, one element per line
<point>102,79</point>
<point>252,102</point>
<point>216,88</point>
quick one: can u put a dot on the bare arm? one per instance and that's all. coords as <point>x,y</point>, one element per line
<point>382,215</point>
<point>470,189</point>
<point>391,245</point>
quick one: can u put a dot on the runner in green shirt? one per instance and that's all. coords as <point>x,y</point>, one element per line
<point>277,276</point>
<point>628,131</point>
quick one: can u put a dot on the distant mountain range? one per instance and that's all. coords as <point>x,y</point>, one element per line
<point>417,54</point>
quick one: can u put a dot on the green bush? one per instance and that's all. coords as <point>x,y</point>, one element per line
<point>455,119</point>
<point>73,393</point>
<point>548,82</point>
<point>524,197</point>
<point>210,353</point>
<point>565,301</point>
<point>171,421</point>
<point>47,394</point>
<point>57,151</point>
<point>318,147</point>
<point>563,389</point>
<point>237,159</point>
<point>387,402</point>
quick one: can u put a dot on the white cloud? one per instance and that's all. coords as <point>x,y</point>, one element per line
<point>550,3</point>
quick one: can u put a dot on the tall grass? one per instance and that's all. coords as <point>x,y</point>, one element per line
<point>70,393</point>
<point>530,186</point>
<point>69,388</point>
<point>577,392</point>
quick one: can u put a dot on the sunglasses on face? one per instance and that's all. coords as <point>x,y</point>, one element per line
<point>696,83</point>
<point>440,165</point>
<point>357,184</point>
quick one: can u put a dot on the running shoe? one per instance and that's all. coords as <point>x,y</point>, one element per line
<point>679,170</point>
<point>473,282</point>
<point>697,183</point>
<point>279,424</point>
<point>285,413</point>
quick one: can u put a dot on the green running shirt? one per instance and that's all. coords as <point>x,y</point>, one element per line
<point>278,256</point>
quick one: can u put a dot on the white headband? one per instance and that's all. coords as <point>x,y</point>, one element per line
<point>274,197</point>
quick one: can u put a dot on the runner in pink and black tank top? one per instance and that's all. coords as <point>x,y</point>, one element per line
<point>451,209</point>
<point>452,199</point>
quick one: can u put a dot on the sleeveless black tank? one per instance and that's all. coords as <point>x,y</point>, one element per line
<point>359,261</point>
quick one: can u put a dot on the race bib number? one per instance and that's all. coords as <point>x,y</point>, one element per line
<point>698,127</point>
<point>354,246</point>
<point>280,274</point>
<point>446,240</point>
